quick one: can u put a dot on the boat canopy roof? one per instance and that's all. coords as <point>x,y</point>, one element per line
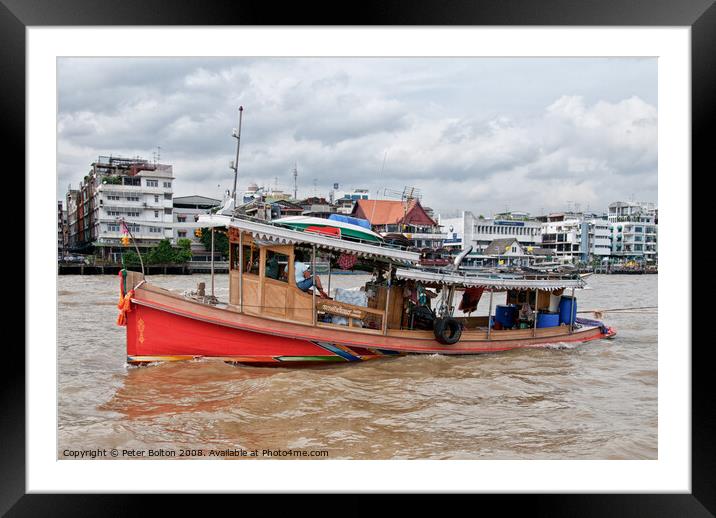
<point>492,281</point>
<point>266,231</point>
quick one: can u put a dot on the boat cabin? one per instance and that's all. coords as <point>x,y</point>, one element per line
<point>263,283</point>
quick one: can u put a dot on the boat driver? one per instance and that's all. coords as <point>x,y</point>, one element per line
<point>305,279</point>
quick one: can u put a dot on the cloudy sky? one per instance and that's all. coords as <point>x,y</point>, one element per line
<point>480,134</point>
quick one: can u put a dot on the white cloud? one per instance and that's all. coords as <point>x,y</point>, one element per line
<point>444,124</point>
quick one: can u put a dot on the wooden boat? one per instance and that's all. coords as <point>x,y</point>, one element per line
<point>268,320</point>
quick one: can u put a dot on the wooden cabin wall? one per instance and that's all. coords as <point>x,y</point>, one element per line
<point>543,300</point>
<point>252,296</point>
<point>265,296</point>
<point>395,308</point>
<point>299,305</point>
<point>234,287</point>
<point>274,292</point>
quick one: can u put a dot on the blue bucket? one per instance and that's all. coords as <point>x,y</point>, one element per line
<point>547,319</point>
<point>505,315</point>
<point>567,305</point>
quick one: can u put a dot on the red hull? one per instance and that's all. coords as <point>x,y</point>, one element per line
<point>157,332</point>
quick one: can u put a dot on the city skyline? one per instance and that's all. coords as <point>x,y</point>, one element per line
<point>480,134</point>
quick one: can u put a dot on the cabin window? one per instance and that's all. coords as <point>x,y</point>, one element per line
<point>276,266</point>
<point>234,256</point>
<point>250,257</point>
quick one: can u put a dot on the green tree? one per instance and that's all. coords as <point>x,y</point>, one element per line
<point>112,180</point>
<point>164,253</point>
<point>132,259</point>
<point>221,240</point>
<point>183,252</point>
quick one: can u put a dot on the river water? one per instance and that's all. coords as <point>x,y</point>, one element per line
<point>591,401</point>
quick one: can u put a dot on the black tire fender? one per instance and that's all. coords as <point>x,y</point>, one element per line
<point>447,330</point>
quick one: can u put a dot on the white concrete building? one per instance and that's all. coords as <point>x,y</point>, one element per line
<point>600,241</point>
<point>576,237</point>
<point>479,232</point>
<point>634,231</point>
<point>136,190</point>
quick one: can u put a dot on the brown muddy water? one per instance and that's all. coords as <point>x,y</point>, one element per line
<point>591,401</point>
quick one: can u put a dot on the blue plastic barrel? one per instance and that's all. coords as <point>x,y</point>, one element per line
<point>567,305</point>
<point>547,319</point>
<point>505,315</point>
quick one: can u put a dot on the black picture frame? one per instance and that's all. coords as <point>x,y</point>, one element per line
<point>700,15</point>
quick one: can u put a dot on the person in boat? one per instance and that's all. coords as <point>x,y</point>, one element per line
<point>305,278</point>
<point>272,267</point>
<point>526,314</point>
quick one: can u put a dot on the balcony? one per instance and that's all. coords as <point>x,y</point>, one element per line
<point>425,235</point>
<point>134,188</point>
<point>142,234</point>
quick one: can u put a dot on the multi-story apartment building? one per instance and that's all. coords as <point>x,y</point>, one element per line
<point>61,230</point>
<point>634,231</point>
<point>600,241</point>
<point>576,237</point>
<point>479,231</point>
<point>130,189</point>
<point>72,202</point>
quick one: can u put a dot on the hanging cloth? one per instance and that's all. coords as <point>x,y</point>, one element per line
<point>470,299</point>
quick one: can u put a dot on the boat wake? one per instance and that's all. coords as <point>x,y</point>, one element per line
<point>562,345</point>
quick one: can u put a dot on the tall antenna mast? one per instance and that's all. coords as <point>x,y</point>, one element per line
<point>235,164</point>
<point>295,181</point>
